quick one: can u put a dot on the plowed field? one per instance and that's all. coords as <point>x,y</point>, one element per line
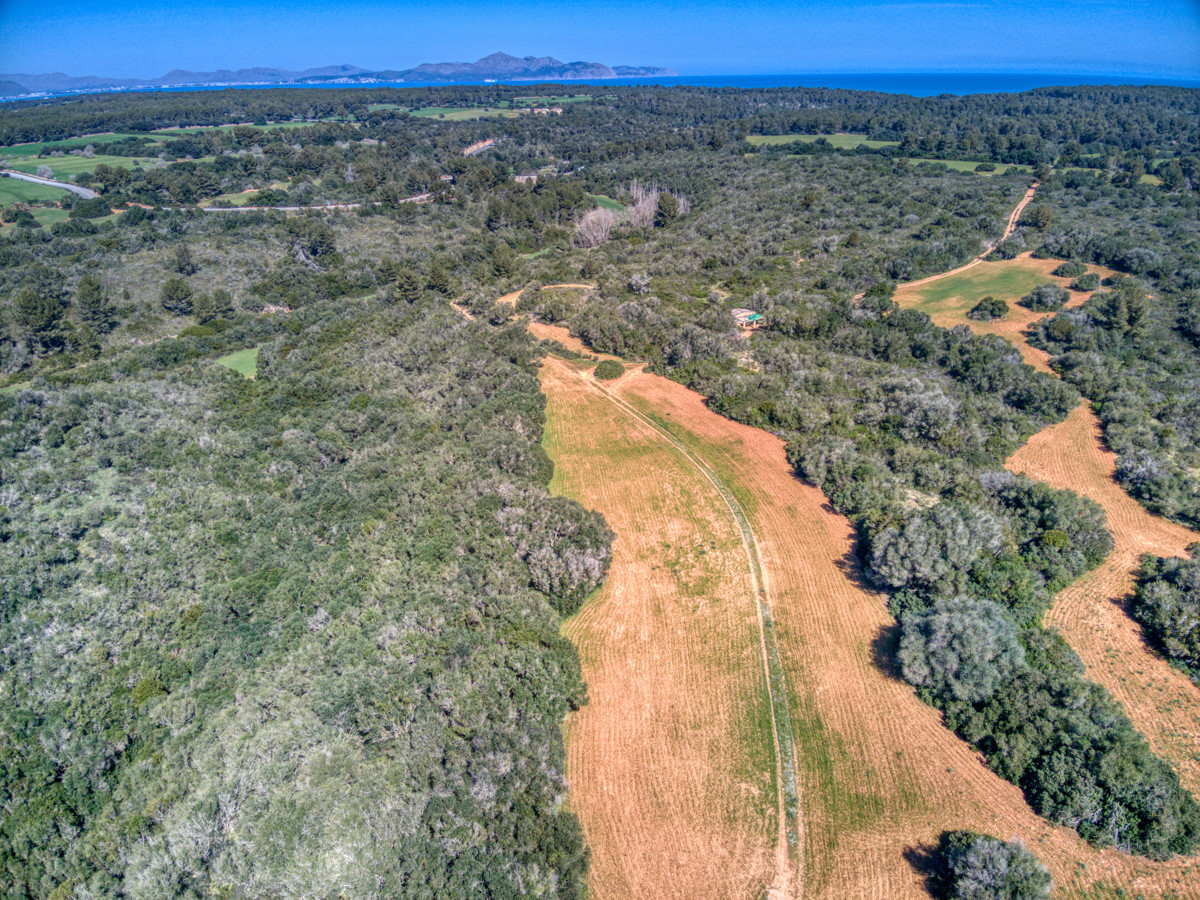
<point>659,749</point>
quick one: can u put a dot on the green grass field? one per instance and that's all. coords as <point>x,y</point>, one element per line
<point>463,114</point>
<point>13,190</point>
<point>242,198</point>
<point>379,107</point>
<point>608,203</point>
<point>63,166</point>
<point>200,129</point>
<point>96,140</point>
<point>244,362</point>
<point>548,101</point>
<point>839,141</point>
<point>968,165</point>
<point>46,215</point>
<point>1008,282</point>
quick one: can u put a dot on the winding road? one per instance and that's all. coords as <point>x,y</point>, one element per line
<point>76,189</point>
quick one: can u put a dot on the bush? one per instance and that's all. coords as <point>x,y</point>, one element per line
<point>987,309</point>
<point>90,209</point>
<point>1088,282</point>
<point>986,167</point>
<point>609,369</point>
<point>963,648</point>
<point>1070,269</point>
<point>1045,298</point>
<point>980,867</point>
<point>176,296</point>
<point>1167,604</point>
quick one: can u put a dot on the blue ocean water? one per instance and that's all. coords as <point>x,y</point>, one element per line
<point>917,84</point>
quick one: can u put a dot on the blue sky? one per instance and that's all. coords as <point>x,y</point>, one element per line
<point>146,38</point>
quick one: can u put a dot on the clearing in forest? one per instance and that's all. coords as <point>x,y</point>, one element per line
<point>948,300</point>
<point>244,362</point>
<point>669,663</point>
<point>1091,614</point>
<point>838,141</point>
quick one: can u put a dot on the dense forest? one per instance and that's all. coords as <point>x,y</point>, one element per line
<point>297,634</point>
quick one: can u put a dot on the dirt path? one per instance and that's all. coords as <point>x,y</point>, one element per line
<point>669,764</point>
<point>788,880</point>
<point>1013,218</point>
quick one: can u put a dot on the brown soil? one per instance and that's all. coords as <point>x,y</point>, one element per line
<point>881,776</point>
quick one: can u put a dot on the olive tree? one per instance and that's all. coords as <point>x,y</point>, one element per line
<point>961,648</point>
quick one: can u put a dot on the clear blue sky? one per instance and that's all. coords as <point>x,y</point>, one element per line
<point>146,38</point>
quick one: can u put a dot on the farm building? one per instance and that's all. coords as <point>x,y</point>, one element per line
<point>746,318</point>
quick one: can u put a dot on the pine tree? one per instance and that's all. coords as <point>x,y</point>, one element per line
<point>92,305</point>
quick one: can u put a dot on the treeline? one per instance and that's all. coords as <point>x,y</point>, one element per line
<point>291,635</point>
<point>1133,349</point>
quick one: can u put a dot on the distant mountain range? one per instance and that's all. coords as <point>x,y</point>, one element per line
<point>498,66</point>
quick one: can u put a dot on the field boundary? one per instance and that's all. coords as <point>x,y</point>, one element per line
<point>789,874</point>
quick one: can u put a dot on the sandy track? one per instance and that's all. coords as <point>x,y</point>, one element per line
<point>881,774</point>
<point>1009,228</point>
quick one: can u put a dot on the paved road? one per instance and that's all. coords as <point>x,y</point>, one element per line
<point>33,179</point>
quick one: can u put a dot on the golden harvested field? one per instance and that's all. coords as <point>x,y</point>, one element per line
<point>880,776</point>
<point>670,763</point>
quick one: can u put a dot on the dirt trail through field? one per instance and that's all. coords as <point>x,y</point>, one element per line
<point>670,766</point>
<point>1009,228</point>
<point>880,775</point>
<point>1091,614</point>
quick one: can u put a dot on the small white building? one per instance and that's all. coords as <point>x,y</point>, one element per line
<point>746,318</point>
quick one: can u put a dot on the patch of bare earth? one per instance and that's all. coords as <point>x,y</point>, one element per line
<point>1091,614</point>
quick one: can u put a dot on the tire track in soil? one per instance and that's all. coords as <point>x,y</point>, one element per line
<point>669,763</point>
<point>787,880</point>
<point>881,775</point>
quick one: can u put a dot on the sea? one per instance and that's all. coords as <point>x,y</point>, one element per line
<point>916,84</point>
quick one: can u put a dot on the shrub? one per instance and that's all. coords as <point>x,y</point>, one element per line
<point>986,167</point>
<point>933,551</point>
<point>1070,269</point>
<point>608,369</point>
<point>1045,298</point>
<point>176,296</point>
<point>963,648</point>
<point>987,309</point>
<point>1087,282</point>
<point>980,867</point>
<point>1167,604</point>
